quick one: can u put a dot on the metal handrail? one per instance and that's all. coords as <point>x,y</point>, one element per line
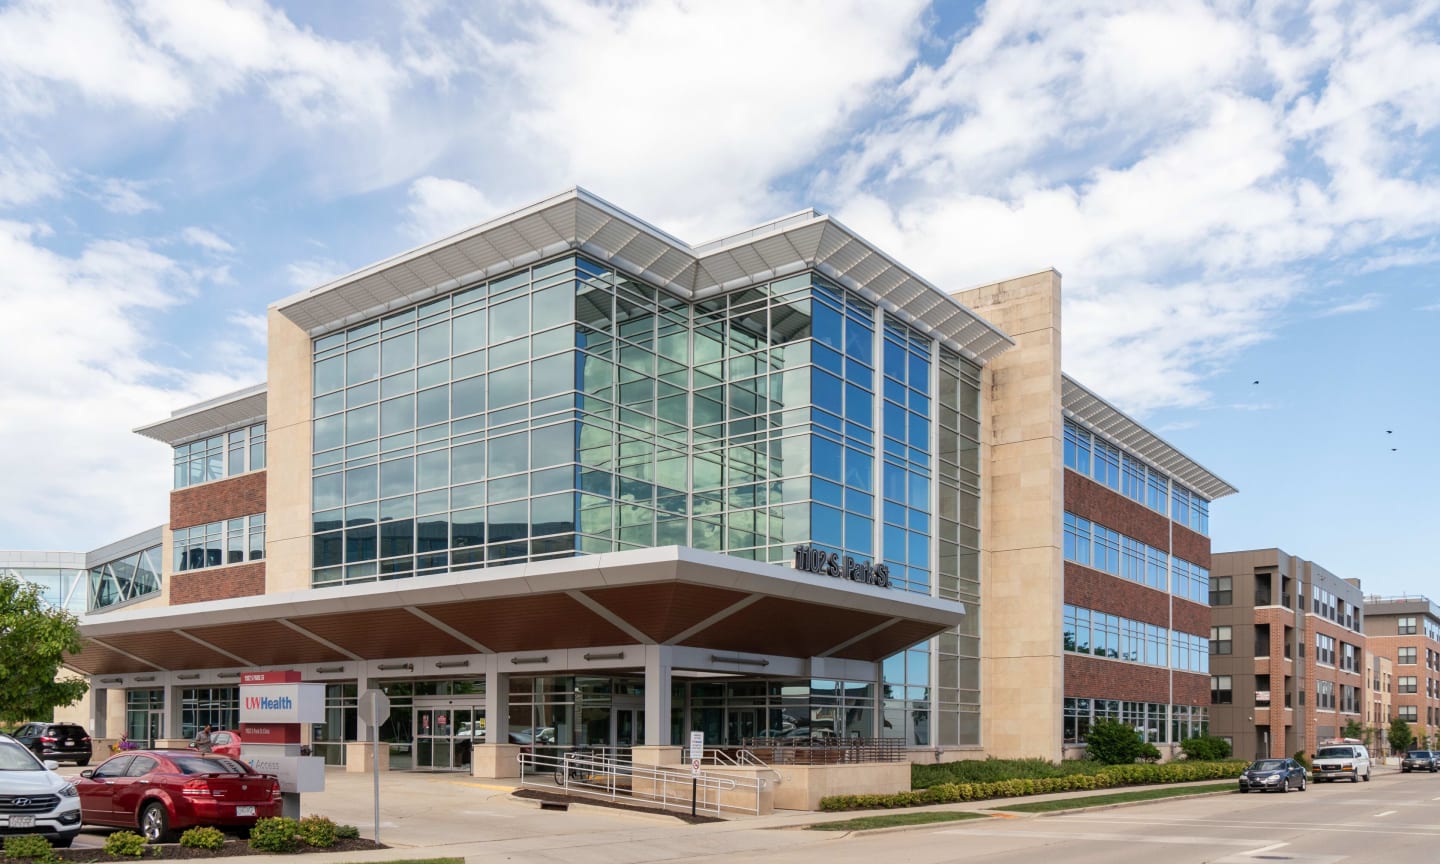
<point>586,774</point>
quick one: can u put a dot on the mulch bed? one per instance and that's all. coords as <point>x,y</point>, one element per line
<point>174,851</point>
<point>556,798</point>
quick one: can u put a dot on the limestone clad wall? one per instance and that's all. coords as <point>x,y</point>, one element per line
<point>287,528</point>
<point>1022,670</point>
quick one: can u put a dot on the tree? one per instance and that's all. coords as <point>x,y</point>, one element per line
<point>34,639</point>
<point>1400,736</point>
<point>1353,729</point>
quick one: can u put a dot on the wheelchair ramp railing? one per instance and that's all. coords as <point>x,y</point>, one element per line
<point>599,776</point>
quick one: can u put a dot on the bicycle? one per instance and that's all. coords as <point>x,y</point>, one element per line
<point>575,766</point>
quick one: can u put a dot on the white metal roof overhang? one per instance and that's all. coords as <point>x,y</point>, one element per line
<point>666,595</point>
<point>1113,424</point>
<point>213,416</point>
<point>577,221</point>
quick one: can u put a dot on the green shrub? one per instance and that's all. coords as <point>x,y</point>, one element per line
<point>1206,748</point>
<point>1107,777</point>
<point>318,831</point>
<point>1111,742</point>
<point>275,834</point>
<point>203,838</point>
<point>1149,752</point>
<point>992,770</point>
<point>347,832</point>
<point>31,846</point>
<point>1303,758</point>
<point>124,844</point>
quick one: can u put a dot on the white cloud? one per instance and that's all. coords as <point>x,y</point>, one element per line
<point>1180,164</point>
<point>691,112</point>
<point>172,57</point>
<point>79,373</point>
<point>439,207</point>
<point>123,196</point>
<point>304,275</point>
<point>1360,304</point>
<point>207,240</point>
<point>26,179</point>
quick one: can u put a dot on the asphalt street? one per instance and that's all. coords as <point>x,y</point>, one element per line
<point>1394,819</point>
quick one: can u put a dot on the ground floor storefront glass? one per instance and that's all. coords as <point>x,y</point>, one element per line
<point>1148,718</point>
<point>208,706</point>
<point>145,716</point>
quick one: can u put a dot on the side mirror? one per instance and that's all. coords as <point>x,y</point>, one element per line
<point>51,765</point>
<point>88,773</point>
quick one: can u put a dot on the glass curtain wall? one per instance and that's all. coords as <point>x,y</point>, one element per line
<point>129,578</point>
<point>568,409</point>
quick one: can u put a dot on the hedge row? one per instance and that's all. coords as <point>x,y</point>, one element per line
<point>1107,778</point>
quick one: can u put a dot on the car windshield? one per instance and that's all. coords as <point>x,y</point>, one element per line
<point>1419,754</point>
<point>13,757</point>
<point>1268,765</point>
<point>201,765</point>
<point>1336,752</point>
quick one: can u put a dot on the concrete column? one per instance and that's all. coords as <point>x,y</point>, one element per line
<point>496,758</point>
<point>99,727</point>
<point>659,660</point>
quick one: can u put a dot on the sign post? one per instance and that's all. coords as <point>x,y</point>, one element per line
<point>697,753</point>
<point>372,704</point>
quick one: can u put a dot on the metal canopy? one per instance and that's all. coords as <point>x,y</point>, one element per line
<point>221,414</point>
<point>1117,427</point>
<point>668,596</point>
<point>577,221</point>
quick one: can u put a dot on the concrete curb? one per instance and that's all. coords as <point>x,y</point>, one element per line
<point>1119,804</point>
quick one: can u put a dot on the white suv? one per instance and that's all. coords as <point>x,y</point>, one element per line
<point>1344,761</point>
<point>33,798</point>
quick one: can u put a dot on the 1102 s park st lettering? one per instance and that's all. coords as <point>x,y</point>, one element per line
<point>811,560</point>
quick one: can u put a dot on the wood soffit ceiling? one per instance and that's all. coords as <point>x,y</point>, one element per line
<point>552,621</point>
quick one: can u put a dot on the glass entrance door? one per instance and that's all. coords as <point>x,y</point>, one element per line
<point>627,729</point>
<point>445,736</point>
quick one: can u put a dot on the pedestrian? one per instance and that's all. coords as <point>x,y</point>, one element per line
<point>202,739</point>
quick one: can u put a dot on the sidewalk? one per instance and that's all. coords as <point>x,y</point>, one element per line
<point>454,815</point>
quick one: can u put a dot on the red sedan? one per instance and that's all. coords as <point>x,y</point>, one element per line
<point>225,743</point>
<point>160,791</point>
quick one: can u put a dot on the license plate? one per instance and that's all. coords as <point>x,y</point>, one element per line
<point>244,811</point>
<point>22,821</point>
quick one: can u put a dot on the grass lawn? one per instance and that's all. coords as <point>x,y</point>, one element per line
<point>890,820</point>
<point>1117,798</point>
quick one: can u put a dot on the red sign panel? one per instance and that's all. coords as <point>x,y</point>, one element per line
<point>270,733</point>
<point>286,676</point>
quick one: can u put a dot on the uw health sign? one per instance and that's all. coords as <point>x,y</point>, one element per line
<point>808,559</point>
<point>263,704</point>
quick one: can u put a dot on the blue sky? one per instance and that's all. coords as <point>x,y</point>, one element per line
<point>1233,193</point>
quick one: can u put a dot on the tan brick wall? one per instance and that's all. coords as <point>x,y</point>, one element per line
<point>218,583</point>
<point>217,501</point>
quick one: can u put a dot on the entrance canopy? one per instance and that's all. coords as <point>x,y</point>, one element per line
<point>662,596</point>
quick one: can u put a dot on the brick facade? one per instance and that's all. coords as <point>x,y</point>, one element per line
<point>242,495</point>
<point>1090,500</point>
<point>1192,546</point>
<point>218,583</point>
<point>1105,593</point>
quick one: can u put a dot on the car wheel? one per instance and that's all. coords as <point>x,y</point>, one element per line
<point>62,842</point>
<point>155,823</point>
<point>1355,778</point>
<point>1243,790</point>
<point>1367,776</point>
<point>1302,784</point>
<point>81,763</point>
<point>1285,787</point>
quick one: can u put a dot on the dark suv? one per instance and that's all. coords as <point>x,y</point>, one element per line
<point>61,742</point>
<point>1420,760</point>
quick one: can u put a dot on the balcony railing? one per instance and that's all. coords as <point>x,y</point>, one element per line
<point>826,751</point>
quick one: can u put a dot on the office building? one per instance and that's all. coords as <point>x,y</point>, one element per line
<point>562,479</point>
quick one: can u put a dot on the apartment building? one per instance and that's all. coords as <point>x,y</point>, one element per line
<point>1405,631</point>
